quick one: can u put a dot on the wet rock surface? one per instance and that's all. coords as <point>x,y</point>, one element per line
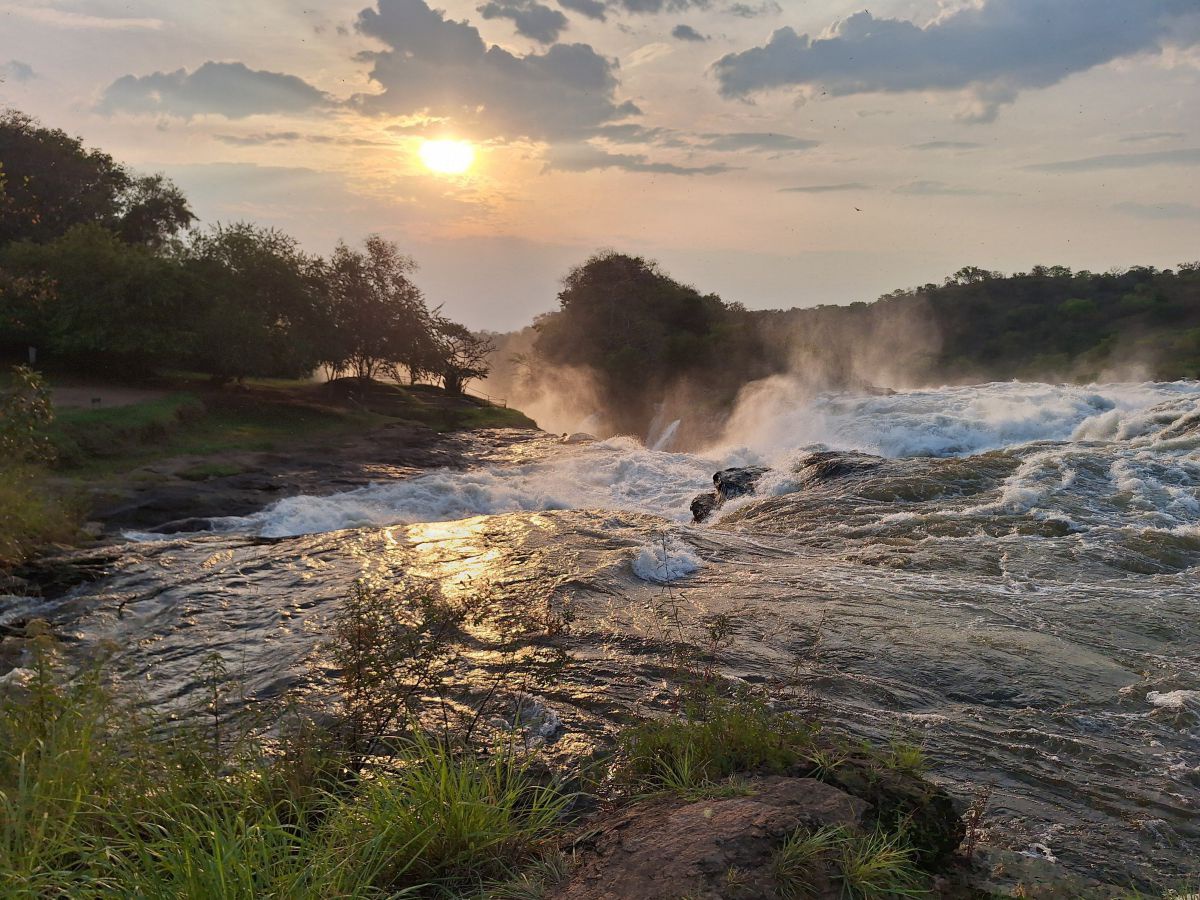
<point>718,848</point>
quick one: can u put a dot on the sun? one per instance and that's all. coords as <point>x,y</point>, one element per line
<point>447,157</point>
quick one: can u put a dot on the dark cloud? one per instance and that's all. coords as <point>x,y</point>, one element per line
<point>227,89</point>
<point>940,189</point>
<point>994,50</point>
<point>267,138</point>
<point>584,157</point>
<point>532,19</point>
<point>687,33</point>
<point>658,6</point>
<point>756,140</point>
<point>593,9</point>
<point>1168,211</point>
<point>1122,161</point>
<point>442,68</point>
<point>16,71</point>
<point>1153,136</point>
<point>947,145</point>
<point>632,133</point>
<point>825,188</point>
<point>753,11</point>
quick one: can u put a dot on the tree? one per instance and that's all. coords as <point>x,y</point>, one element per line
<point>53,183</point>
<point>379,320</point>
<point>257,303</point>
<point>463,355</point>
<point>113,303</point>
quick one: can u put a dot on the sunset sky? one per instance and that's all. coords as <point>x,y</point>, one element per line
<point>779,153</point>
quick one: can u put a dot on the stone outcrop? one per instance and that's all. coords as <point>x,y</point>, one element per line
<point>727,484</point>
<point>718,849</point>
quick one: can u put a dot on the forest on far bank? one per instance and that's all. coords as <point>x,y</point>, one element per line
<point>645,347</point>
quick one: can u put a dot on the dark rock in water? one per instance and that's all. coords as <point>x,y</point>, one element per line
<point>676,848</point>
<point>732,483</point>
<point>727,484</point>
<point>703,505</point>
<point>832,464</point>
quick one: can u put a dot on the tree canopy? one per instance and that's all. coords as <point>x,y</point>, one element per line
<point>99,270</point>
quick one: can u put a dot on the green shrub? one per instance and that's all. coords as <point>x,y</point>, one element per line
<point>32,514</point>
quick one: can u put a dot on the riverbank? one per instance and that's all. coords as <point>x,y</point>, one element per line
<point>169,453</point>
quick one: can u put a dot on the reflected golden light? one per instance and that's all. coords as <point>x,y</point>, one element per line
<point>447,157</point>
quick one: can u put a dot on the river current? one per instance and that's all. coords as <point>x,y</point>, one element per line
<point>1006,573</point>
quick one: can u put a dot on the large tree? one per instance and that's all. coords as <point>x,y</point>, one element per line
<point>462,355</point>
<point>380,322</point>
<point>52,182</point>
<point>258,306</point>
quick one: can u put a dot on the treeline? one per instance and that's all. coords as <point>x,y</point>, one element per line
<point>102,272</point>
<point>646,349</point>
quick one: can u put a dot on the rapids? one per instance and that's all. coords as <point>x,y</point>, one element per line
<point>1011,579</point>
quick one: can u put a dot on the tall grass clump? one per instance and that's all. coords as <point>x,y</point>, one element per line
<point>98,799</point>
<point>728,737</point>
<point>862,866</point>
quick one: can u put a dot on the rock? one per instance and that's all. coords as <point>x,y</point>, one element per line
<point>737,482</point>
<point>579,437</point>
<point>832,464</point>
<point>703,505</point>
<point>712,849</point>
<point>727,484</point>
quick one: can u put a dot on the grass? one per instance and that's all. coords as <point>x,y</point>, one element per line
<point>32,514</point>
<point>864,866</point>
<point>98,800</point>
<point>680,755</point>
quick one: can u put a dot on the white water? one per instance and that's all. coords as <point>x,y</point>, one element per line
<point>1126,428</point>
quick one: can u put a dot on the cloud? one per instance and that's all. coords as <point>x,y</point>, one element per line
<point>990,49</point>
<point>687,33</point>
<point>15,70</point>
<point>584,158</point>
<point>1153,136</point>
<point>947,145</point>
<point>1167,211</point>
<point>747,11</point>
<point>441,68</point>
<point>1122,161</point>
<point>940,189</point>
<point>658,6</point>
<point>757,140</point>
<point>267,138</point>
<point>532,19</point>
<point>227,89</point>
<point>826,188</point>
<point>61,18</point>
<point>593,9</point>
<point>633,133</point>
